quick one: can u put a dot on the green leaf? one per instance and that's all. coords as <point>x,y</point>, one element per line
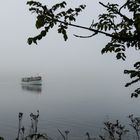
<point>103,50</point>
<point>29,41</point>
<point>98,26</point>
<point>39,37</point>
<point>59,30</point>
<point>1,138</point>
<point>82,6</point>
<point>71,18</point>
<point>34,40</point>
<point>65,37</point>
<point>134,74</point>
<point>40,22</point>
<point>118,56</point>
<point>69,11</point>
<point>102,26</point>
<point>43,33</point>
<point>118,50</point>
<point>77,9</point>
<point>105,27</point>
<point>63,4</point>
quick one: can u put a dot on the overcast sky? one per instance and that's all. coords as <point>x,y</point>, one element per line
<point>52,55</point>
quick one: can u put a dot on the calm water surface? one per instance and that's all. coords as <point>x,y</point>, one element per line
<point>74,103</point>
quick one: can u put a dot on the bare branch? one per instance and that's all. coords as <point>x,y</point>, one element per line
<point>86,36</point>
<point>124,5</point>
<point>132,82</point>
<point>61,134</point>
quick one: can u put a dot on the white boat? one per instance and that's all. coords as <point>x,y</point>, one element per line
<point>37,80</point>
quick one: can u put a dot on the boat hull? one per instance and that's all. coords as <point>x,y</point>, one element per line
<point>32,83</point>
<point>32,80</point>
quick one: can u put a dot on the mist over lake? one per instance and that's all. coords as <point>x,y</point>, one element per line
<point>80,88</point>
<point>67,102</point>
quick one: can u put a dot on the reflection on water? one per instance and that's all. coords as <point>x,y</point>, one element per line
<point>32,88</point>
<point>76,104</point>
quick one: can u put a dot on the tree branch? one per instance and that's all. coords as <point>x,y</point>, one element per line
<point>118,12</point>
<point>132,82</point>
<point>96,31</point>
<point>86,36</point>
<point>125,4</point>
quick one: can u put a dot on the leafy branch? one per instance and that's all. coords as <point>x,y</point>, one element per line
<point>123,33</point>
<point>47,18</point>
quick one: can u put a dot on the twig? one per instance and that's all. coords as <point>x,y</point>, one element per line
<point>117,12</point>
<point>61,134</point>
<point>85,36</point>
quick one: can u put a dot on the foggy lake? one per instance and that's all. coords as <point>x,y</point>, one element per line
<point>71,103</point>
<point>81,88</point>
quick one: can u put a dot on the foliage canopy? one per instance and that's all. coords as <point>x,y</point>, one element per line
<point>123,30</point>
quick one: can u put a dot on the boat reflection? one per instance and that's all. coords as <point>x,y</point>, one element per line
<point>32,88</point>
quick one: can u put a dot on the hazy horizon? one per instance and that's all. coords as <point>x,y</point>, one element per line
<point>78,82</point>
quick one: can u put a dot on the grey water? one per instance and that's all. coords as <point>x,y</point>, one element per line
<point>75,103</point>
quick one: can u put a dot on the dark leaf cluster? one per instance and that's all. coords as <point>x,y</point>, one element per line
<point>48,18</point>
<point>135,75</point>
<point>33,134</point>
<point>123,29</point>
<point>135,93</point>
<point>123,33</point>
<point>133,6</point>
<point>115,131</point>
<point>135,124</point>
